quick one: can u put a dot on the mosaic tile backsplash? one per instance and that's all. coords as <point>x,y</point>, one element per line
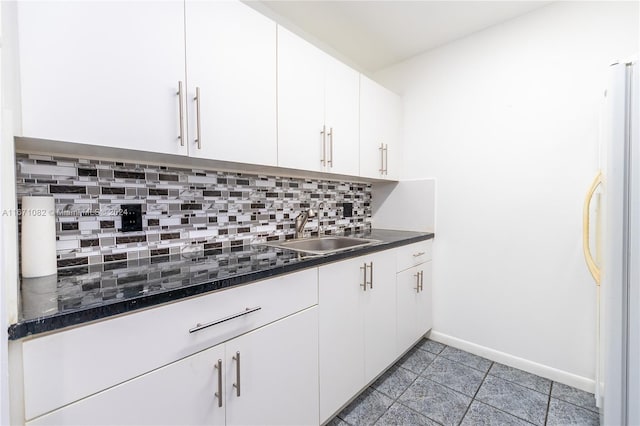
<point>184,211</point>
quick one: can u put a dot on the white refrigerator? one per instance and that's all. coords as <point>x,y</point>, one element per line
<point>615,263</point>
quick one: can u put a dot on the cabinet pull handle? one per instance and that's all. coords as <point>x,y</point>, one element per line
<point>386,159</point>
<point>417,287</point>
<point>330,161</point>
<point>236,385</point>
<point>199,326</point>
<point>371,275</point>
<point>323,160</point>
<point>198,137</point>
<point>420,253</point>
<point>421,280</point>
<point>364,277</point>
<point>181,109</point>
<point>381,149</point>
<point>218,394</point>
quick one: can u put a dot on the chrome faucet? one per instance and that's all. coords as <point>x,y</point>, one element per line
<point>301,221</point>
<point>319,213</point>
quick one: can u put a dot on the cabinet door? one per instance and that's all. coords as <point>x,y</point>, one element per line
<point>103,72</point>
<point>380,124</point>
<point>179,394</point>
<point>278,373</point>
<point>342,362</point>
<point>231,60</point>
<point>380,314</point>
<point>342,108</point>
<point>414,305</point>
<point>300,103</point>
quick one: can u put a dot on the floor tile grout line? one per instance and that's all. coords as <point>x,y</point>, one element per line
<point>473,398</point>
<point>573,403</point>
<point>418,375</point>
<point>504,412</point>
<point>475,368</point>
<point>458,362</point>
<point>546,415</point>
<point>421,414</point>
<point>511,414</point>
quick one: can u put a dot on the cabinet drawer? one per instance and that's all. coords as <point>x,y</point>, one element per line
<point>63,367</point>
<point>414,254</point>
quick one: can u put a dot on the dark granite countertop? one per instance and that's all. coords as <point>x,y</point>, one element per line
<point>83,294</point>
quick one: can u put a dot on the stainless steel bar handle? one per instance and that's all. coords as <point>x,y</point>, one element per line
<point>371,275</point>
<point>218,394</point>
<point>417,287</point>
<point>420,253</point>
<point>330,161</point>
<point>181,109</point>
<point>324,144</point>
<point>364,277</point>
<point>381,149</point>
<point>198,137</point>
<point>247,311</point>
<point>421,280</point>
<point>236,385</point>
<point>386,159</point>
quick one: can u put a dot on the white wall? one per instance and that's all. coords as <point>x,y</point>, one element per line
<point>506,120</point>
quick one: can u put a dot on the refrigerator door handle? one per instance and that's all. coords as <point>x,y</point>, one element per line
<point>591,264</point>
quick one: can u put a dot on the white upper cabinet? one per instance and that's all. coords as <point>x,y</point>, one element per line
<point>300,103</point>
<point>317,109</point>
<point>103,72</point>
<point>342,95</point>
<point>380,131</point>
<point>231,65</point>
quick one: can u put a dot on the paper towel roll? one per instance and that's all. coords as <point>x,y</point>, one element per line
<point>38,252</point>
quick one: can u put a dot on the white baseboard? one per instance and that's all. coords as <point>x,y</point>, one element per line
<point>564,377</point>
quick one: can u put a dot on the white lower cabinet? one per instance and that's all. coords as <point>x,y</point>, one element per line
<point>278,373</point>
<point>357,326</point>
<point>414,304</point>
<point>266,377</point>
<point>181,393</point>
<point>305,344</point>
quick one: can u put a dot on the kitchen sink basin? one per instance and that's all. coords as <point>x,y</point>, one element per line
<point>324,245</point>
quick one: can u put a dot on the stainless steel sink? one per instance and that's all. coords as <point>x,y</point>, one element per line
<point>324,245</point>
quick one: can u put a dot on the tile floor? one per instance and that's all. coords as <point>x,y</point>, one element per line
<point>435,384</point>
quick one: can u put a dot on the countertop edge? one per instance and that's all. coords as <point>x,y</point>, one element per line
<point>28,328</point>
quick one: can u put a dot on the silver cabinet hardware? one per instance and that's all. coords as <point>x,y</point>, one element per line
<point>421,280</point>
<point>381,149</point>
<point>236,385</point>
<point>323,160</point>
<point>364,276</point>
<point>364,268</point>
<point>386,159</point>
<point>417,287</point>
<point>181,109</point>
<point>198,137</point>
<point>420,253</point>
<point>199,326</point>
<point>218,394</point>
<point>330,161</point>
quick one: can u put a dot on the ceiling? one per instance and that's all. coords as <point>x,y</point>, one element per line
<point>375,34</point>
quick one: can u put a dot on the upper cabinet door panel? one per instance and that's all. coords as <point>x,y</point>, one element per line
<point>380,121</point>
<point>342,117</point>
<point>300,103</point>
<point>103,72</point>
<point>231,59</point>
